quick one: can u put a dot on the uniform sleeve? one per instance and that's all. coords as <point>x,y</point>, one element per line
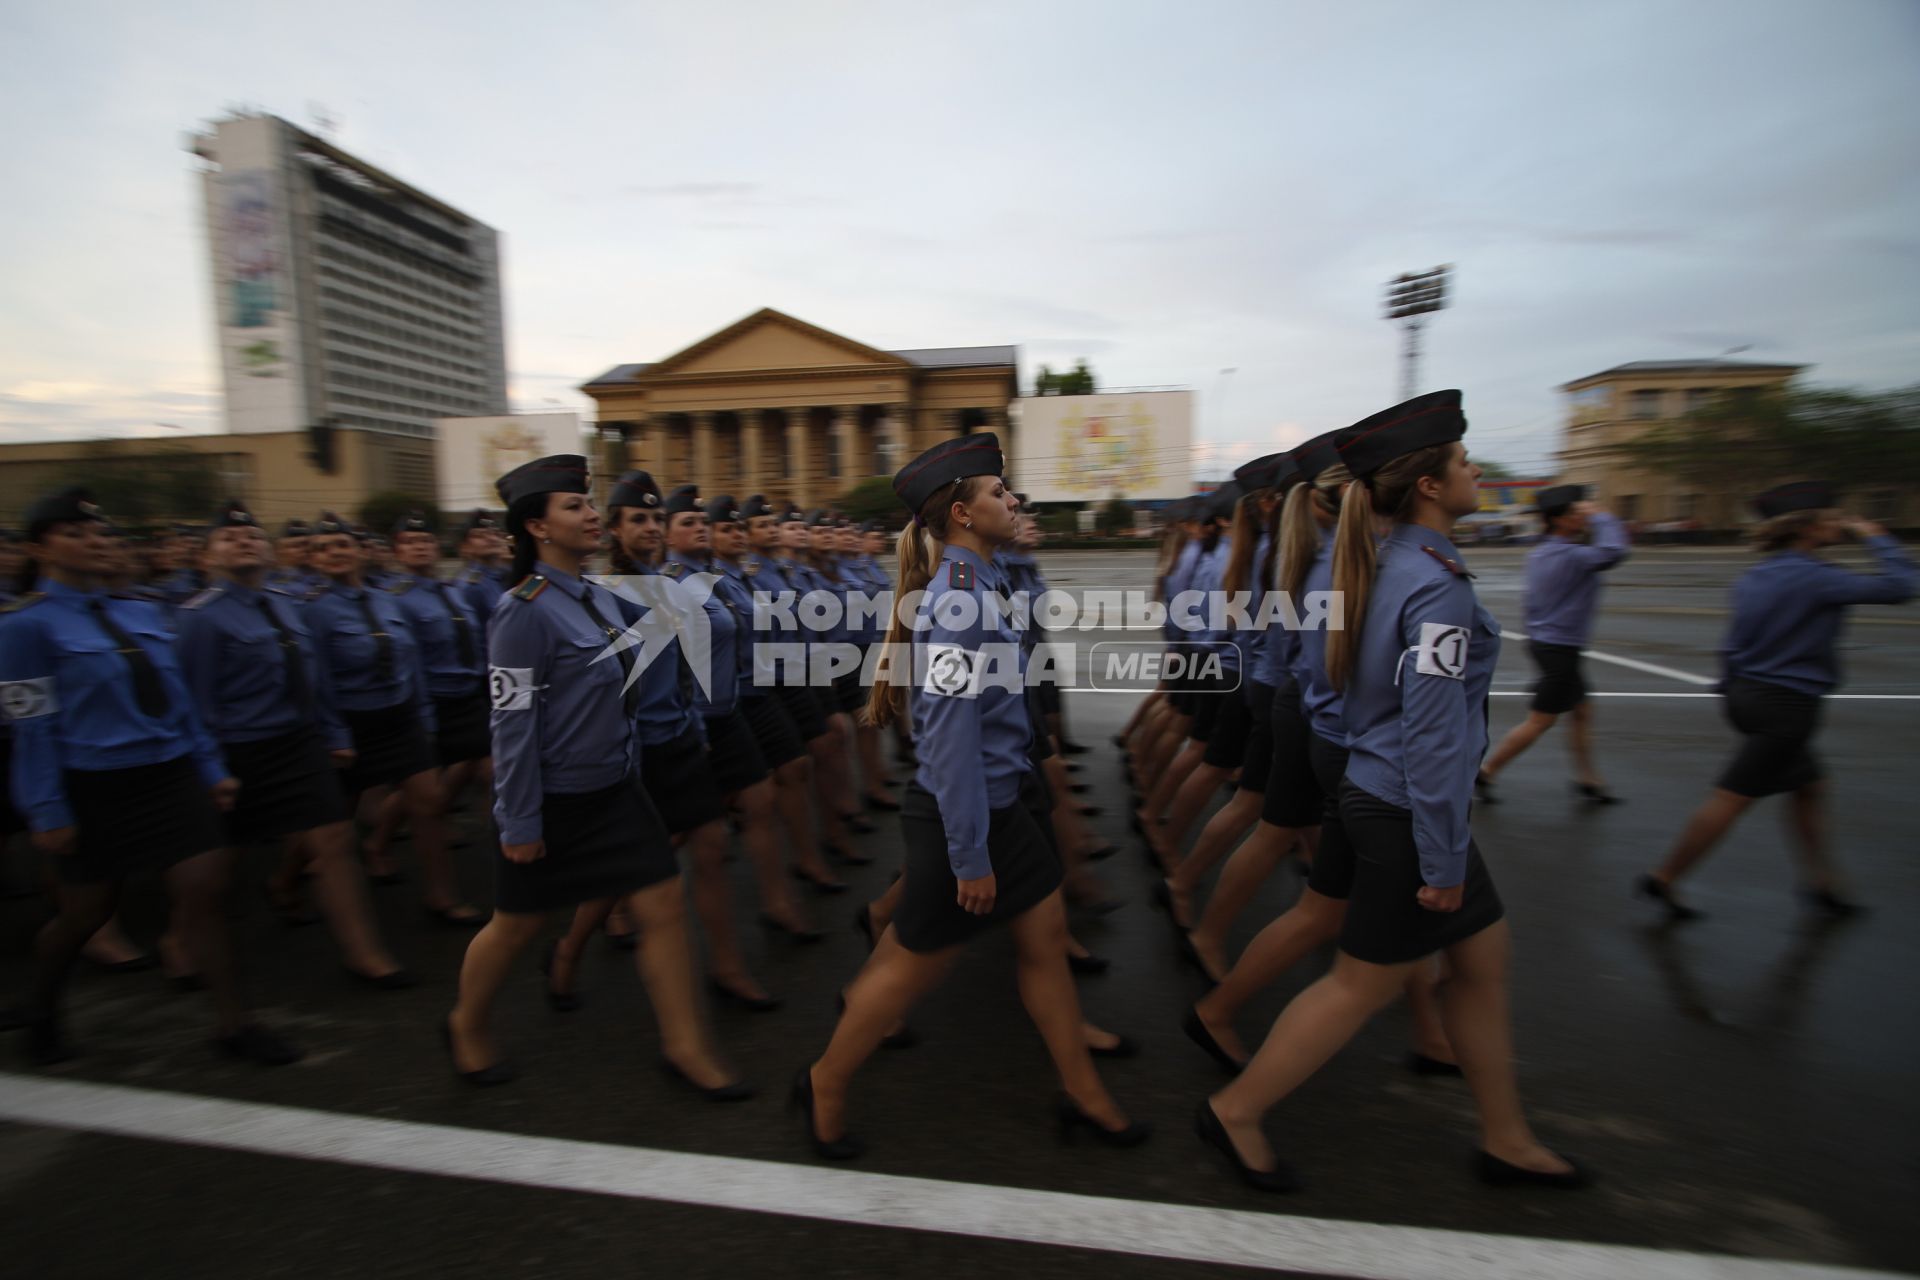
<point>326,704</point>
<point>417,674</point>
<point>1436,627</point>
<point>948,740</point>
<point>28,692</point>
<point>1610,544</point>
<point>518,664</point>
<point>1893,584</point>
<point>198,674</point>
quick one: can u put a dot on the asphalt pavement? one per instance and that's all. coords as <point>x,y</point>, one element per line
<point>1745,1086</point>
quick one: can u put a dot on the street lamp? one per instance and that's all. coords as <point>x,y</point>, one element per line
<point>1409,297</point>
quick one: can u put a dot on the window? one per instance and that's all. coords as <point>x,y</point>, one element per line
<point>1643,404</point>
<point>1686,506</point>
<point>1699,398</point>
<point>1591,404</point>
<point>1629,507</point>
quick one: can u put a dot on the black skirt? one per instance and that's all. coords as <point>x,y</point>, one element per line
<point>287,784</point>
<point>733,753</point>
<point>1025,868</point>
<point>462,729</point>
<point>1209,700</point>
<point>1294,798</point>
<point>1562,685</point>
<point>773,729</point>
<point>138,820</point>
<point>600,844</point>
<point>849,694</point>
<point>11,822</point>
<point>1256,762</point>
<point>804,710</point>
<point>827,698</point>
<point>1227,745</point>
<point>1332,873</point>
<point>1385,922</point>
<point>1777,725</point>
<point>389,745</point>
<point>679,779</point>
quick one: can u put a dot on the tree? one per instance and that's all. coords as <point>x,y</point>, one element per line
<point>872,499</point>
<point>1078,381</point>
<point>385,509</point>
<point>1746,440</point>
<point>1491,470</point>
<point>1114,518</point>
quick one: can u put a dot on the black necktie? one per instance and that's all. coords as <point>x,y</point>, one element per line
<point>630,696</point>
<point>383,655</point>
<point>147,689</point>
<point>296,664</point>
<point>462,629</point>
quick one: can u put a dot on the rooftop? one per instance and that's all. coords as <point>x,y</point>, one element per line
<point>1643,367</point>
<point>921,357</point>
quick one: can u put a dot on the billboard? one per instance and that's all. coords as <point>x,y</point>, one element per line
<point>471,453</point>
<point>1133,445</point>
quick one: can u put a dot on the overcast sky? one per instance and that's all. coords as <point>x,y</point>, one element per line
<point>1168,189</point>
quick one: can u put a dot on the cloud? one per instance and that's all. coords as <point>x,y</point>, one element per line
<point>695,191</point>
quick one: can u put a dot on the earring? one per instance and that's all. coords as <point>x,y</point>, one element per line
<point>969,524</point>
<point>547,540</point>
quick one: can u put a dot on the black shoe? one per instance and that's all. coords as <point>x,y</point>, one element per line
<point>821,886</point>
<point>905,1038</point>
<point>737,1091</point>
<point>133,964</point>
<point>558,1001</point>
<point>395,980</point>
<point>496,1073</point>
<point>624,941</point>
<point>1091,811</point>
<point>841,853</point>
<point>254,1043</point>
<point>451,918</point>
<point>1104,852</point>
<point>47,1045</point>
<point>1648,887</point>
<point>1421,1065</point>
<point>1079,788</point>
<point>752,1004</point>
<point>844,1147</point>
<point>1071,1119</point>
<point>1207,1125</point>
<point>797,935</point>
<point>1830,904</point>
<point>1073,748</point>
<point>1197,1032</point>
<point>1191,954</point>
<point>1595,795</point>
<point>1496,1172</point>
<point>1119,740</point>
<point>1483,789</point>
<point>1098,906</point>
<point>1120,1048</point>
<point>386,878</point>
<point>186,982</point>
<point>863,921</point>
<point>1088,964</point>
<point>1162,896</point>
<point>883,804</point>
<point>859,826</point>
<point>292,912</point>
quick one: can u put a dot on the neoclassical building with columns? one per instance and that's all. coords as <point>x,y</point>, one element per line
<point>775,405</point>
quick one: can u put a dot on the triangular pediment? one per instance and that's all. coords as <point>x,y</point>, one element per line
<point>769,340</point>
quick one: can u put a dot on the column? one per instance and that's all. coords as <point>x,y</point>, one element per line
<point>949,420</point>
<point>897,437</point>
<point>749,453</point>
<point>846,447</point>
<point>799,477</point>
<point>702,453</point>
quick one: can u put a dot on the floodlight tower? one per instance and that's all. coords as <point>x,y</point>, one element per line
<point>1409,298</point>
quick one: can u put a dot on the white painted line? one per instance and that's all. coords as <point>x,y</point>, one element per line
<point>1633,664</point>
<point>1231,1237</point>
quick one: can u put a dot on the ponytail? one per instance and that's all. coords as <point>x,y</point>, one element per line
<point>1299,539</point>
<point>525,555</point>
<point>1388,494</point>
<point>1245,537</point>
<point>1172,543</point>
<point>918,552</point>
<point>1269,561</point>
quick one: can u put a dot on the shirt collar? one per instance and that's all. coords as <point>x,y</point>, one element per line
<point>61,591</point>
<point>562,579</point>
<point>986,572</point>
<point>1419,535</point>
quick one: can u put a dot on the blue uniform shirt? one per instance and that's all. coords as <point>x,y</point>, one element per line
<point>1178,579</point>
<point>350,650</point>
<point>768,576</point>
<point>1563,581</point>
<point>69,694</point>
<point>1209,578</point>
<point>431,606</point>
<point>969,709</point>
<point>1417,696</point>
<point>233,662</point>
<point>560,725</point>
<point>734,589</point>
<point>483,586</point>
<point>1254,645</point>
<point>1322,704</point>
<point>724,631</point>
<point>666,688</point>
<point>1282,655</point>
<point>1787,612</point>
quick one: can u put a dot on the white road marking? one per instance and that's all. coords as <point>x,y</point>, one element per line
<point>1633,664</point>
<point>1232,1237</point>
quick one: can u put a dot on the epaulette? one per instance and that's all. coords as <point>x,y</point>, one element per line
<point>15,606</point>
<point>1454,567</point>
<point>291,590</point>
<point>205,597</point>
<point>673,568</point>
<point>530,586</point>
<point>400,587</point>
<point>750,566</point>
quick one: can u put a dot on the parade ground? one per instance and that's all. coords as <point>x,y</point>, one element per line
<point>1743,1086</point>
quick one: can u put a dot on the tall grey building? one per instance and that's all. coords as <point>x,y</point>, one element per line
<point>343,297</point>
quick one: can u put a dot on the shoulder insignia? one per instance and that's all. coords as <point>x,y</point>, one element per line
<point>530,586</point>
<point>1454,567</point>
<point>960,575</point>
<point>751,567</point>
<point>673,568</point>
<point>203,598</point>
<point>15,606</point>
<point>400,586</point>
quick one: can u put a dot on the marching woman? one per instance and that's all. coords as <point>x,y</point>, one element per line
<point>574,824</point>
<point>810,546</point>
<point>114,774</point>
<point>974,818</point>
<point>1187,603</point>
<point>868,585</point>
<point>482,577</point>
<point>379,682</point>
<point>453,648</point>
<point>263,695</point>
<point>1414,663</point>
<point>1161,735</point>
<point>1780,657</point>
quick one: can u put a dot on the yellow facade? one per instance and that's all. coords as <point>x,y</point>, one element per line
<point>777,406</point>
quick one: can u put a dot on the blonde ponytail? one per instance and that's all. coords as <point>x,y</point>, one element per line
<point>918,550</point>
<point>1355,559</point>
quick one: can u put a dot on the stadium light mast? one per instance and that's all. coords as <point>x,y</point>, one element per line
<point>1409,299</point>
